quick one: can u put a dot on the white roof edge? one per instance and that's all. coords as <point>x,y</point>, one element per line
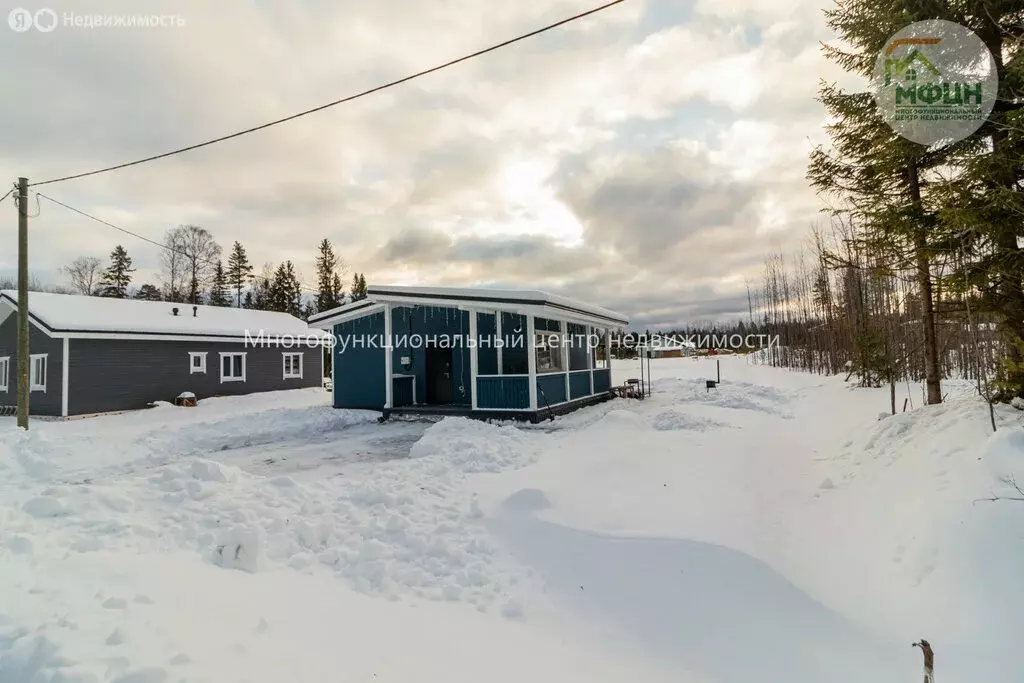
<point>327,318</point>
<point>496,296</point>
<point>81,317</point>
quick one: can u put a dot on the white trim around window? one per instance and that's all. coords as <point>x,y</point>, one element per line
<point>196,362</point>
<point>234,362</point>
<point>37,371</point>
<point>5,373</point>
<point>292,363</point>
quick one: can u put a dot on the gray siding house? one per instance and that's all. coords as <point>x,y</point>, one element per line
<point>95,355</point>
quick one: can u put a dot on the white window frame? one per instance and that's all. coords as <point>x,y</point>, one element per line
<point>34,384</point>
<point>544,350</point>
<point>5,373</point>
<point>192,367</point>
<point>232,378</point>
<point>284,363</point>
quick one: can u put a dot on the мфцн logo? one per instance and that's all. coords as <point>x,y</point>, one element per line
<point>935,82</point>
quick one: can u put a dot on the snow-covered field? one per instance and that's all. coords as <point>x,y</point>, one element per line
<point>773,530</point>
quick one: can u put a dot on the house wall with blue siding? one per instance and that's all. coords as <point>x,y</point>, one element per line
<point>413,328</point>
<point>359,368</point>
<point>359,380</point>
<point>551,389</point>
<point>505,393</point>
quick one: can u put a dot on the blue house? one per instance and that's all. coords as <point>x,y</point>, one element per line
<point>475,352</point>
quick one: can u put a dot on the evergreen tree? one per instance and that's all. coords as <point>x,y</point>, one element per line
<point>328,281</point>
<point>285,292</point>
<point>358,290</point>
<point>118,275</point>
<point>984,201</point>
<point>239,272</point>
<point>148,292</point>
<point>219,295</point>
<point>881,178</point>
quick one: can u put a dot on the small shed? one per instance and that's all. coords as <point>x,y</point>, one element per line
<point>511,354</point>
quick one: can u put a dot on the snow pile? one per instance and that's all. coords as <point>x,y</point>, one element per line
<point>730,394</point>
<point>472,446</point>
<point>408,529</point>
<point>676,419</point>
<point>242,431</point>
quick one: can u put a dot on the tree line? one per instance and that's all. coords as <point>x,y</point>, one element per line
<point>193,270</point>
<point>919,273</point>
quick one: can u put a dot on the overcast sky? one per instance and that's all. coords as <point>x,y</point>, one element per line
<point>644,159</point>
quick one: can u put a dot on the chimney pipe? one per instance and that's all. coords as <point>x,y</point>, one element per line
<point>195,311</point>
<point>174,311</point>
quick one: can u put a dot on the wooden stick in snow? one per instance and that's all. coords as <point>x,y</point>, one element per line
<point>929,660</point>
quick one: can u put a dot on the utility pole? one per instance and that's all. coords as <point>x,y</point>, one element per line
<point>23,350</point>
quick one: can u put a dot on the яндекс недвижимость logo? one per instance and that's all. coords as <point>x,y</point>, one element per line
<point>935,82</point>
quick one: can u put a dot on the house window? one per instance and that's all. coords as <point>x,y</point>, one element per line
<point>292,365</point>
<point>5,373</point>
<point>232,367</point>
<point>37,372</point>
<point>197,362</point>
<point>548,346</point>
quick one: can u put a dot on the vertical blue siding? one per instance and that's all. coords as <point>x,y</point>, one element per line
<point>552,388</point>
<point>579,384</point>
<point>359,370</point>
<point>602,380</point>
<point>401,391</point>
<point>411,328</point>
<point>508,392</point>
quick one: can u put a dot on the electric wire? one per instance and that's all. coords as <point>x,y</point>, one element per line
<point>151,241</point>
<point>349,98</point>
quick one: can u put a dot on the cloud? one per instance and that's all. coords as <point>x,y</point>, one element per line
<point>644,158</point>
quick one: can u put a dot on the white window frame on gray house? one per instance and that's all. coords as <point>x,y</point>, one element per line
<point>5,373</point>
<point>193,367</point>
<point>232,377</point>
<point>290,372</point>
<point>34,364</point>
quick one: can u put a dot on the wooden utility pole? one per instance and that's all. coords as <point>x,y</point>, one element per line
<point>23,349</point>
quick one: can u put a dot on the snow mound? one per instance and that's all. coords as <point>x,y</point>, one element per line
<point>615,420</point>
<point>242,548</point>
<point>472,446</point>
<point>527,500</point>
<point>45,506</point>
<point>260,428</point>
<point>676,419</point>
<point>732,395</point>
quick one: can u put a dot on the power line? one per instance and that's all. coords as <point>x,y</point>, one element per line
<point>341,101</point>
<point>151,241</point>
<point>6,195</point>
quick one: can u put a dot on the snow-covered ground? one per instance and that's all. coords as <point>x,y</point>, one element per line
<point>774,529</point>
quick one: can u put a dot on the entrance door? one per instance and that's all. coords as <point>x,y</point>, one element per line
<point>439,375</point>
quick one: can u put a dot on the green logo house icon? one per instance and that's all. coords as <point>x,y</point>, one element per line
<point>935,82</point>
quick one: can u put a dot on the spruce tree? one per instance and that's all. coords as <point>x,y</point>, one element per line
<point>117,276</point>
<point>358,290</point>
<point>239,272</point>
<point>219,295</point>
<point>285,292</point>
<point>882,180</point>
<point>148,292</point>
<point>328,282</point>
<point>984,200</point>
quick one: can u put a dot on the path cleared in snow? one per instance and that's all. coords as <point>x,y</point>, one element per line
<point>771,530</point>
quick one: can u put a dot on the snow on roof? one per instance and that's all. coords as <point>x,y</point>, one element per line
<point>511,298</point>
<point>85,315</point>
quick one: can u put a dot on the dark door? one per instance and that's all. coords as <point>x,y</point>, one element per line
<point>439,375</point>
